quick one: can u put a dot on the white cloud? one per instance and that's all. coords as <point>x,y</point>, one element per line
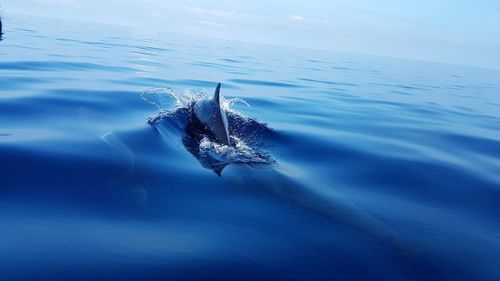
<point>297,18</point>
<point>211,13</point>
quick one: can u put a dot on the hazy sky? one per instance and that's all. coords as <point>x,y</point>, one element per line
<point>455,31</point>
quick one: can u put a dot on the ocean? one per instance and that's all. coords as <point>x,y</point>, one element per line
<point>343,166</point>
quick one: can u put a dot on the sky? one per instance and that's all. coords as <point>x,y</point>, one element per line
<point>452,31</point>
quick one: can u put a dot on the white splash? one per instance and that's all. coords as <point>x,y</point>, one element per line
<point>168,99</point>
<point>239,153</point>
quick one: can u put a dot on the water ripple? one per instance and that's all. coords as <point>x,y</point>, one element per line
<point>266,83</point>
<point>59,66</point>
<point>388,165</point>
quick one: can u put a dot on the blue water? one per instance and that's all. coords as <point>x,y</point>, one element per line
<point>345,167</point>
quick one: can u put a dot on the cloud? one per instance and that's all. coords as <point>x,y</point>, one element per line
<point>211,23</point>
<point>296,17</point>
<point>211,13</point>
<point>299,18</point>
<point>320,21</point>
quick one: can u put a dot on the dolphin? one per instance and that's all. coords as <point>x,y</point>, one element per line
<point>211,114</point>
<point>322,200</point>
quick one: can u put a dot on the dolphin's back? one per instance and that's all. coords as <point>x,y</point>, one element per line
<point>211,114</point>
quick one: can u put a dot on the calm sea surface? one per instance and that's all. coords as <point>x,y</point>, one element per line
<point>345,167</point>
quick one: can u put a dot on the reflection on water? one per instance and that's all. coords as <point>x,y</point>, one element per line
<point>346,167</point>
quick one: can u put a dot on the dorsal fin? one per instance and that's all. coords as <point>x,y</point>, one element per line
<point>217,95</point>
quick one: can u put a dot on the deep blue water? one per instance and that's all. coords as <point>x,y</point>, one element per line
<point>346,167</point>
